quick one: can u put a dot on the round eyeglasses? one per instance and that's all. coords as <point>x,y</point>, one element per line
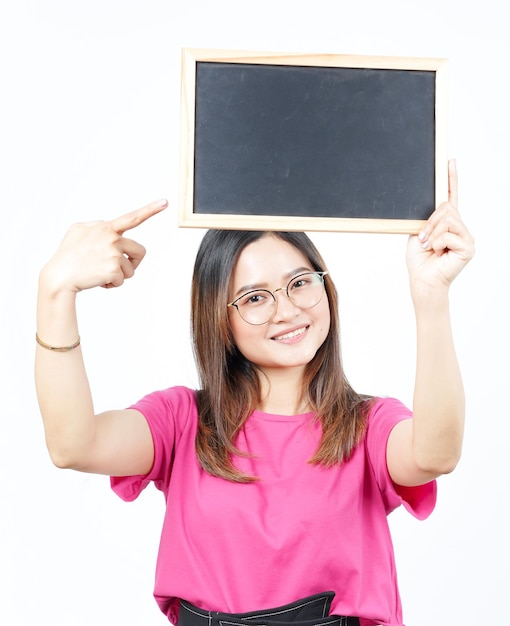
<point>257,306</point>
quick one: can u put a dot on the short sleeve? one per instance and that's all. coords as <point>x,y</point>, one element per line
<point>166,413</point>
<point>420,501</point>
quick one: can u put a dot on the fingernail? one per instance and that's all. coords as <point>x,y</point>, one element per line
<point>421,236</point>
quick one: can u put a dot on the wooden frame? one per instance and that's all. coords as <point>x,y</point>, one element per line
<point>435,72</point>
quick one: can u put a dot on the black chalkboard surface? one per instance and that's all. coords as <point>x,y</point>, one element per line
<point>311,143</point>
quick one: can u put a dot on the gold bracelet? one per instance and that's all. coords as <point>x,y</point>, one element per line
<point>57,349</point>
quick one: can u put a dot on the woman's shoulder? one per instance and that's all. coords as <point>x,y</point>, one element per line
<point>176,404</point>
<point>170,395</point>
<point>387,408</point>
<point>385,412</point>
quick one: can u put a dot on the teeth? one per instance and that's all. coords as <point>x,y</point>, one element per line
<point>294,333</point>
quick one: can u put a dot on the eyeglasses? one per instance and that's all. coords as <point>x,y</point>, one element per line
<point>257,306</point>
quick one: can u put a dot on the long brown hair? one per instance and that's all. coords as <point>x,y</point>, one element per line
<point>230,389</point>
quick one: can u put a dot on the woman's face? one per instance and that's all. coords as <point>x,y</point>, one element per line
<point>293,335</point>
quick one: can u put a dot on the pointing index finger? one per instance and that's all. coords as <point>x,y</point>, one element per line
<point>135,218</point>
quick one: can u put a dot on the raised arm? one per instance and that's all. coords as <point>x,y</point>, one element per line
<point>430,444</point>
<point>116,442</point>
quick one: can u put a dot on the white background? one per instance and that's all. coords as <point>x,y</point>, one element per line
<point>89,128</point>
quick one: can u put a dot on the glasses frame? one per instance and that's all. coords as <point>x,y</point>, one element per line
<point>272,293</point>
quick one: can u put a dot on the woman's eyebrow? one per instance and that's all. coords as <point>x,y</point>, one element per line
<point>286,277</point>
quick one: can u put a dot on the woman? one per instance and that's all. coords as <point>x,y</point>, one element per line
<point>278,476</point>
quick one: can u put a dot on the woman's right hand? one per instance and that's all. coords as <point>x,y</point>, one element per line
<point>117,442</point>
<point>94,254</point>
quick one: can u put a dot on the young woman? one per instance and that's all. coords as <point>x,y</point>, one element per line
<point>278,476</point>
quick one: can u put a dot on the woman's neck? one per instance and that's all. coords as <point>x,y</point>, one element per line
<point>282,392</point>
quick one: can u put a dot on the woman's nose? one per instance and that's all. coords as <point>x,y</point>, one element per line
<point>284,307</point>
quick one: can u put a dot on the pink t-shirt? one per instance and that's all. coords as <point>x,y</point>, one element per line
<point>300,529</point>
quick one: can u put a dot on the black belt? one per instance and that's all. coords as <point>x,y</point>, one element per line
<point>309,611</point>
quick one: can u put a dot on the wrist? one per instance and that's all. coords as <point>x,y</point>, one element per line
<point>54,286</point>
<point>430,297</point>
<point>56,322</point>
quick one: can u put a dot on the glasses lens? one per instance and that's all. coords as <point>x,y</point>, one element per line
<point>256,307</point>
<point>306,290</point>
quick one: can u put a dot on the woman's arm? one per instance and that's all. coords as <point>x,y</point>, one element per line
<point>116,442</point>
<point>430,444</point>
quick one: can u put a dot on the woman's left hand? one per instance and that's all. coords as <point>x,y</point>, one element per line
<point>444,247</point>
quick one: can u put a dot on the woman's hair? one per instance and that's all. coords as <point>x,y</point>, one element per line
<point>230,388</point>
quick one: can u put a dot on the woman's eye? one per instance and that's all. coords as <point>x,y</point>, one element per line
<point>300,282</point>
<point>251,299</point>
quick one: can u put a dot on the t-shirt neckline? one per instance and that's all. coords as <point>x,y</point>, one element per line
<point>277,417</point>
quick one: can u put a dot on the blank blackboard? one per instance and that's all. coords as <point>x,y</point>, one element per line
<point>311,143</point>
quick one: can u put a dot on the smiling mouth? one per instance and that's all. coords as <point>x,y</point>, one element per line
<point>292,334</point>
